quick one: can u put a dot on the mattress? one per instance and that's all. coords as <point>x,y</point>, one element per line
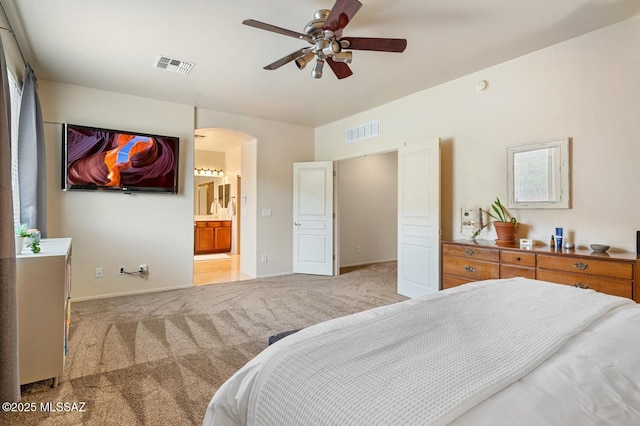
<point>590,374</point>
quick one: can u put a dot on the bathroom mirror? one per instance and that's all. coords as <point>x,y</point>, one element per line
<point>205,196</point>
<point>224,194</point>
<point>538,175</point>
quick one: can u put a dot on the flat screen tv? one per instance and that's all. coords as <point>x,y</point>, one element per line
<point>117,160</point>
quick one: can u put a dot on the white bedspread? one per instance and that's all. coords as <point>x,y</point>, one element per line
<point>423,361</point>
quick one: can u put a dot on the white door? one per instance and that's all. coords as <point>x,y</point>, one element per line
<point>419,218</point>
<point>313,218</point>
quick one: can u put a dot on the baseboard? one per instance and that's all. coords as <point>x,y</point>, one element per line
<point>129,293</point>
<point>279,274</point>
<point>370,262</point>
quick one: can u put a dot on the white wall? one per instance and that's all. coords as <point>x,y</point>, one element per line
<point>587,89</point>
<point>271,156</point>
<point>110,229</point>
<point>209,159</point>
<point>247,208</point>
<point>234,167</point>
<point>368,209</point>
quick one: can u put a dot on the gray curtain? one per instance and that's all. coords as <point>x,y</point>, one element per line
<point>9,373</point>
<point>32,172</point>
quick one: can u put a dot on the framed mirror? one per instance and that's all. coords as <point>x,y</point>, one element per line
<point>538,175</point>
<point>224,194</point>
<point>205,196</point>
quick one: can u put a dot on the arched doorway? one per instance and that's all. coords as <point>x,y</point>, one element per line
<point>220,195</point>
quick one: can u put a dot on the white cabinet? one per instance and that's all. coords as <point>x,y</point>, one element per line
<point>44,289</point>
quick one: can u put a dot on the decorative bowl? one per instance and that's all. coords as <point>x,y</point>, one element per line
<point>599,248</point>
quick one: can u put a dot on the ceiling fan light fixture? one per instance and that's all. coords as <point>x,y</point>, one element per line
<point>317,69</point>
<point>344,57</point>
<point>303,60</point>
<point>331,48</point>
<point>321,14</point>
<point>325,35</point>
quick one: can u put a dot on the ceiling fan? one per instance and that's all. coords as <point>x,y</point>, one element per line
<point>324,33</point>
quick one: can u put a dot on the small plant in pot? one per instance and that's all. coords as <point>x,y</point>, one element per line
<point>505,224</point>
<point>22,232</point>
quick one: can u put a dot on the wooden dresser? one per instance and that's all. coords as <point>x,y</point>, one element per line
<point>612,273</point>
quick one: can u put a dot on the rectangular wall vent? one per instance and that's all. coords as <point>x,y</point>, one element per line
<point>364,131</point>
<point>173,65</point>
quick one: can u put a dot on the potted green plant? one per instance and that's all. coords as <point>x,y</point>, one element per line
<point>22,232</point>
<point>506,225</point>
<point>34,245</point>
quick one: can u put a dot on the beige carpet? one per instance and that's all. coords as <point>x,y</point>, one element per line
<point>157,359</point>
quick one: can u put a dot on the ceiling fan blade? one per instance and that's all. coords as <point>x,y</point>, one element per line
<point>377,44</point>
<point>341,14</point>
<point>340,69</point>
<point>285,60</point>
<point>278,30</point>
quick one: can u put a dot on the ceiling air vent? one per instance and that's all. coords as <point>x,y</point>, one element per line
<point>174,65</point>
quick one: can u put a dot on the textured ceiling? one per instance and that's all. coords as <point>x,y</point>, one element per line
<point>112,45</point>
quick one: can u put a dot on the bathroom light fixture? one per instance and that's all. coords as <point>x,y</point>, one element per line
<point>208,172</point>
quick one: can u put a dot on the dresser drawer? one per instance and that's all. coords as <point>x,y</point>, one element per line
<point>510,271</point>
<point>471,252</point>
<point>518,258</point>
<point>471,269</point>
<point>616,287</point>
<point>449,281</point>
<point>606,268</point>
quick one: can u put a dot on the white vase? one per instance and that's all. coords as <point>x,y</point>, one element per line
<point>19,244</point>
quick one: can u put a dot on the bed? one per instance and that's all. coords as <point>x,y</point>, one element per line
<point>501,352</point>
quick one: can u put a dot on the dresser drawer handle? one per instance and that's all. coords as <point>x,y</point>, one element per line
<point>469,268</point>
<point>581,266</point>
<point>580,285</point>
<point>518,259</point>
<point>469,252</point>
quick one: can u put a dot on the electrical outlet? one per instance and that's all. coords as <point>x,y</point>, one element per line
<point>99,273</point>
<point>143,269</point>
<point>470,220</point>
<point>121,270</point>
<point>358,249</point>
